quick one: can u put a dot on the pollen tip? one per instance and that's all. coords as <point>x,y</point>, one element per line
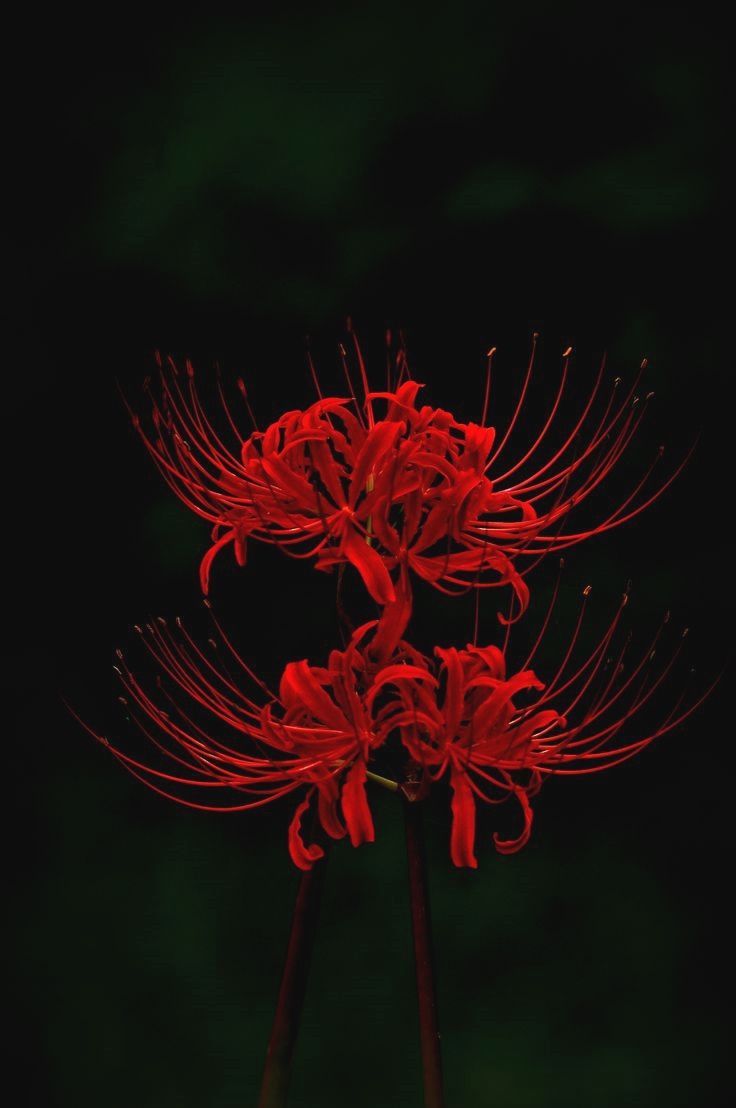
<point>535,335</point>
<point>635,401</point>
<point>118,670</point>
<point>119,653</point>
<point>617,382</point>
<point>206,602</point>
<point>644,363</point>
<point>567,352</point>
<point>123,701</point>
<point>587,590</point>
<point>212,643</point>
<point>137,628</point>
<point>650,395</point>
<point>178,621</point>
<point>686,632</point>
<point>624,600</point>
<point>162,621</point>
<point>342,350</point>
<point>491,352</point>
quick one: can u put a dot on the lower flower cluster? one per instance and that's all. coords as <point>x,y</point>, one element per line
<point>382,711</point>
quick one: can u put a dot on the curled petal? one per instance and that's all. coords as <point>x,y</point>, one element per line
<point>358,819</point>
<point>328,796</point>
<point>370,566</point>
<point>301,688</point>
<point>392,625</point>
<point>206,563</point>
<point>462,839</point>
<point>510,846</point>
<point>302,855</point>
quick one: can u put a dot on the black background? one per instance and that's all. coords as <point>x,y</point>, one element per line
<point>219,190</point>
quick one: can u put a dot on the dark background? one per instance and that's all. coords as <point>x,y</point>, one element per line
<point>219,190</point>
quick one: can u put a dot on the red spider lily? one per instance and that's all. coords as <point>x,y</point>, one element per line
<point>458,717</point>
<point>412,490</point>
<point>315,737</point>
<point>469,726</point>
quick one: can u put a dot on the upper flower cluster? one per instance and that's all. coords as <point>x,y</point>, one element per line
<point>390,484</point>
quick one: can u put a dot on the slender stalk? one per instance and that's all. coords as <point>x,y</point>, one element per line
<point>277,1069</point>
<point>422,930</point>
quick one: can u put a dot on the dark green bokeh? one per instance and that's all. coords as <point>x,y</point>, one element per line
<point>219,190</point>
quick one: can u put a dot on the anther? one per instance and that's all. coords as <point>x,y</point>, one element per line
<point>587,590</point>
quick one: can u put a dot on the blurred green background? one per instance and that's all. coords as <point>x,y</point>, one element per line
<point>219,189</point>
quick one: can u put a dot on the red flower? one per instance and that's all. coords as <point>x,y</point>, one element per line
<point>380,699</point>
<point>412,490</point>
<point>316,737</point>
<point>470,727</point>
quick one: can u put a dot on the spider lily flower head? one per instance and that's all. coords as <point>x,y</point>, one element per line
<point>334,483</point>
<point>391,486</point>
<point>220,740</point>
<point>463,715</point>
<point>471,727</point>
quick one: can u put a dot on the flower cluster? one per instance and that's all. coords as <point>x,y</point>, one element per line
<point>407,487</point>
<point>395,489</point>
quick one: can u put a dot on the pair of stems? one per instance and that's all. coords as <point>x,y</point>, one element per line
<point>277,1070</point>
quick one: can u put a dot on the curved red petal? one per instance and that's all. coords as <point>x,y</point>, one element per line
<point>462,836</point>
<point>302,855</point>
<point>358,819</point>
